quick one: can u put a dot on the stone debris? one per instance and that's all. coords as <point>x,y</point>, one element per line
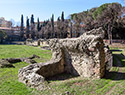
<point>33,56</point>
<point>4,63</point>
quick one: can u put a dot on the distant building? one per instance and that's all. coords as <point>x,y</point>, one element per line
<point>5,23</point>
<point>13,33</point>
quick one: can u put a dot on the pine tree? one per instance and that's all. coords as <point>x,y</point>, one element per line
<point>62,16</point>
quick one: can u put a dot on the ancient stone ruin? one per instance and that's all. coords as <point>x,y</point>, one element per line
<point>8,62</point>
<point>39,42</point>
<point>83,56</point>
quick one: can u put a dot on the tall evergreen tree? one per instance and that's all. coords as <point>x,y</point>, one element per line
<point>38,25</point>
<point>22,23</point>
<point>32,25</point>
<point>38,28</point>
<point>22,27</point>
<point>58,32</point>
<point>58,19</point>
<point>27,27</point>
<point>27,23</point>
<point>52,25</point>
<point>62,26</point>
<point>62,16</point>
<point>32,19</point>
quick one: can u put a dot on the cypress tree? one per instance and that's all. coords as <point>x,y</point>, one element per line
<point>32,25</point>
<point>32,19</point>
<point>62,25</point>
<point>58,27</point>
<point>27,27</point>
<point>27,23</point>
<point>22,27</point>
<point>22,24</point>
<point>38,25</point>
<point>58,19</point>
<point>52,24</point>
<point>62,16</point>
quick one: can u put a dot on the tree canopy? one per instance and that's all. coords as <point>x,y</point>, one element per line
<point>107,16</point>
<point>3,35</point>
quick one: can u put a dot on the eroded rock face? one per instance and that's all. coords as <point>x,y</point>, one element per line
<point>34,75</point>
<point>108,58</point>
<point>83,56</point>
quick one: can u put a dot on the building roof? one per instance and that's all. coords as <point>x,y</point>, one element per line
<point>10,28</point>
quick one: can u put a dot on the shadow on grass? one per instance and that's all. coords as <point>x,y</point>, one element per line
<point>62,76</point>
<point>116,50</point>
<point>13,43</point>
<point>118,63</point>
<point>68,67</point>
<point>114,75</point>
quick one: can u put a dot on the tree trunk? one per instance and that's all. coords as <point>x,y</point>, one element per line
<point>1,40</point>
<point>109,34</point>
<point>71,31</point>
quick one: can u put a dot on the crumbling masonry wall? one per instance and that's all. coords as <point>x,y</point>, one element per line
<point>83,56</point>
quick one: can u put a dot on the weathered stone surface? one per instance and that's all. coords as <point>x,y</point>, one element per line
<point>5,64</point>
<point>39,42</point>
<point>29,61</point>
<point>83,56</point>
<point>42,42</point>
<point>31,42</point>
<point>108,58</point>
<point>33,56</point>
<point>34,75</point>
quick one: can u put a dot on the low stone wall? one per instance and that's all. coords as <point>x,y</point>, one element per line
<point>31,42</point>
<point>42,42</point>
<point>84,56</point>
<point>39,42</point>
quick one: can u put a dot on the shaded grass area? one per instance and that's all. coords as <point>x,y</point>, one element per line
<point>120,55</point>
<point>65,84</point>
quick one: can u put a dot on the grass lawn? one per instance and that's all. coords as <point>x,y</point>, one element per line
<point>9,84</point>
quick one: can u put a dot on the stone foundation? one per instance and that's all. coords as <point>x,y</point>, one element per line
<point>39,42</point>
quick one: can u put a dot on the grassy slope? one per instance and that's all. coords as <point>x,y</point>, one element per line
<point>9,84</point>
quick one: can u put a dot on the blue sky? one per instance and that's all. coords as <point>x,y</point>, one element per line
<point>45,8</point>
